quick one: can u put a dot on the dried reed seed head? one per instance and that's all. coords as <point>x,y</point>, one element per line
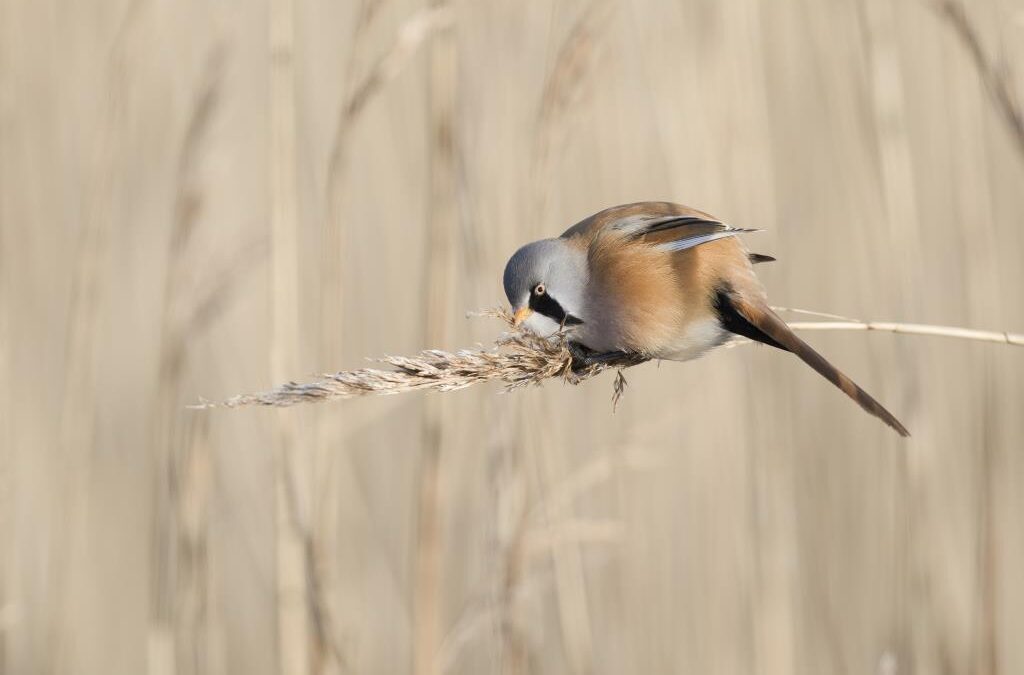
<point>518,359</point>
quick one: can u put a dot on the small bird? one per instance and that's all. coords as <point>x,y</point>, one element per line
<point>655,280</point>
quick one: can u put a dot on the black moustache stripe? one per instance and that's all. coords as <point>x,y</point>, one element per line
<point>549,307</point>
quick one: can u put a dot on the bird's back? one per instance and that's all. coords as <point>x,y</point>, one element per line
<point>587,227</point>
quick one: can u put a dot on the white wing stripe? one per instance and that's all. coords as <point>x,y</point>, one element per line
<point>690,242</point>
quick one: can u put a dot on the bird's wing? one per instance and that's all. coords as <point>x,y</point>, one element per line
<point>757,321</point>
<point>679,234</point>
<point>669,227</point>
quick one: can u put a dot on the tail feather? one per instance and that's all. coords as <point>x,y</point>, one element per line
<point>775,329</point>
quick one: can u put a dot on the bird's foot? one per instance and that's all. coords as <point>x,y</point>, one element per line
<point>583,357</point>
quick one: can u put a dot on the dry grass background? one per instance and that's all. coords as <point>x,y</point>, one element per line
<point>199,199</point>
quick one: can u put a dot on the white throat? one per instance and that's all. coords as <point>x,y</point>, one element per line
<point>541,325</point>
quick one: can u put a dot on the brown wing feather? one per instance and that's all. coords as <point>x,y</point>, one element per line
<point>769,323</point>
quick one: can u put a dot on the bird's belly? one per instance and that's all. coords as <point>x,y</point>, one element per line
<point>698,338</point>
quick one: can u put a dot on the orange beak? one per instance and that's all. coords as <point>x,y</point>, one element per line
<point>521,315</point>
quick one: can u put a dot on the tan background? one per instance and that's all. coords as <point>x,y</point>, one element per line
<point>205,198</point>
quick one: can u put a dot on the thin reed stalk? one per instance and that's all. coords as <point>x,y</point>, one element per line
<point>914,329</point>
<point>846,323</point>
<point>520,359</point>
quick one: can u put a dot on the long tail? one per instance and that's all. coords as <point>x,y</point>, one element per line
<point>758,322</point>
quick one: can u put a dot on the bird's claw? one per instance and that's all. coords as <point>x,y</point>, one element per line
<point>582,357</point>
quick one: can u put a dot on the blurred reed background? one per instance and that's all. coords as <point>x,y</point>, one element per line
<point>207,198</point>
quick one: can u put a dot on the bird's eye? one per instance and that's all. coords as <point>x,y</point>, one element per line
<point>539,289</point>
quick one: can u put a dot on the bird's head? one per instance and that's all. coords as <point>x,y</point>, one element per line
<point>545,283</point>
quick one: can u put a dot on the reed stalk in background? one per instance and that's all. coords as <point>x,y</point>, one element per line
<point>179,444</point>
<point>525,537</point>
<point>567,86</point>
<point>295,653</point>
<point>6,417</point>
<point>999,81</point>
<point>360,89</point>
<point>428,614</point>
<point>78,413</point>
<point>306,640</point>
<point>996,76</point>
<point>359,92</point>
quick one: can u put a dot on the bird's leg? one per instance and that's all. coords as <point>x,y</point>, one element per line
<point>583,357</point>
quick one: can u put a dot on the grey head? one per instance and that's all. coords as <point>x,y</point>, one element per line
<point>545,282</point>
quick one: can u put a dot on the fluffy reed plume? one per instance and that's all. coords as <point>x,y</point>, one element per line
<point>520,359</point>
